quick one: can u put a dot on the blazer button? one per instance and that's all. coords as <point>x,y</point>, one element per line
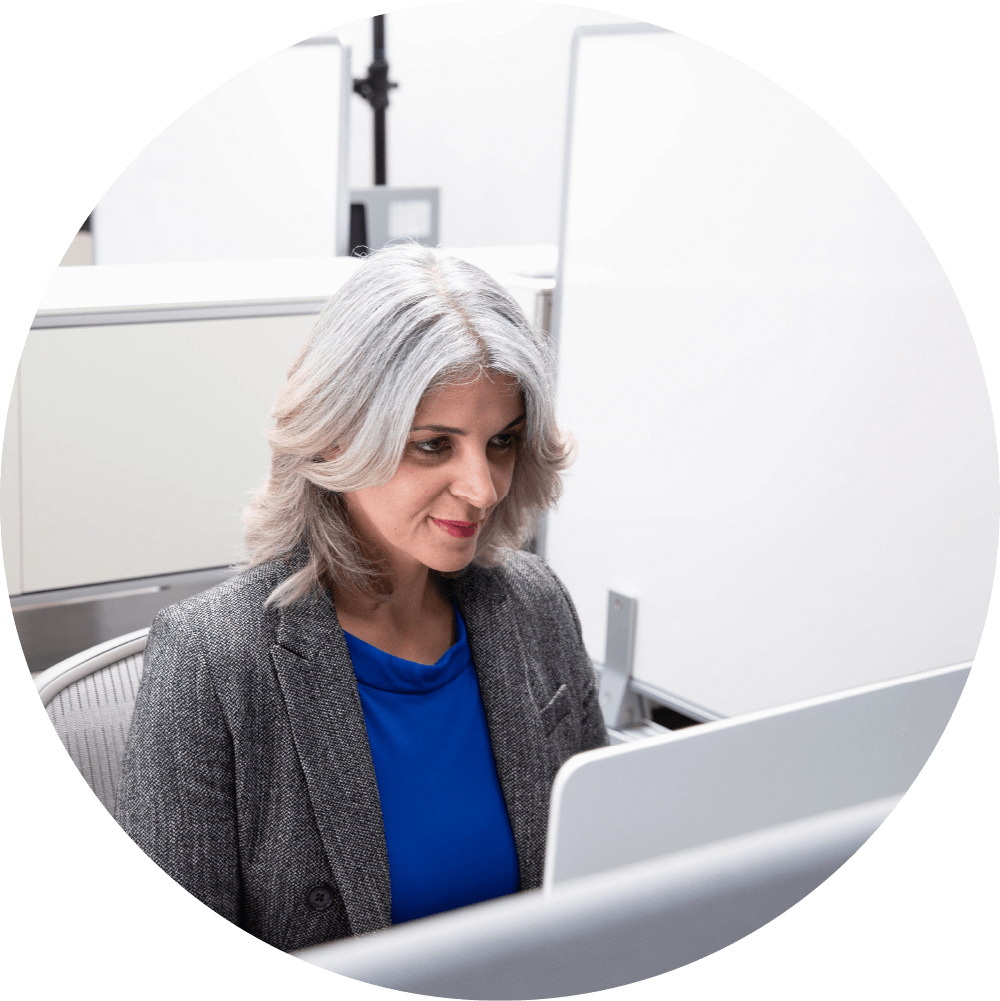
<point>320,898</point>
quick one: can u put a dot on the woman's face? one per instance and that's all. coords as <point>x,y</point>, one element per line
<point>457,466</point>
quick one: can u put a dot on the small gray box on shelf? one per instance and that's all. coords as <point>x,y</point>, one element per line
<point>382,215</point>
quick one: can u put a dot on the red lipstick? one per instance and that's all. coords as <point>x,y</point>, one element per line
<point>457,529</point>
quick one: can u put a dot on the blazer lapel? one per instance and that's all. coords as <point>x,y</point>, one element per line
<point>520,749</point>
<point>321,694</point>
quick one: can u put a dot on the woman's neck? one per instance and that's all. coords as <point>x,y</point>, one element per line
<point>415,622</point>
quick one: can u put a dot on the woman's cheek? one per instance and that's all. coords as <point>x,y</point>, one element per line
<point>503,487</point>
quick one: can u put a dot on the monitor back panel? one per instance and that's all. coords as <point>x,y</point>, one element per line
<point>625,804</point>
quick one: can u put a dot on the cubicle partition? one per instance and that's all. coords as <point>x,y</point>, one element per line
<point>785,448</point>
<point>256,170</point>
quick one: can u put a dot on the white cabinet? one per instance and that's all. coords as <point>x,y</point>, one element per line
<point>143,394</point>
<point>142,442</point>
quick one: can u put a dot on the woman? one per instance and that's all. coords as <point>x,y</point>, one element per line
<point>363,726</point>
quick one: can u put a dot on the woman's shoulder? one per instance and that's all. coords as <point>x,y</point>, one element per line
<point>528,574</point>
<point>211,640</point>
<point>522,577</point>
<point>235,603</point>
<point>526,593</point>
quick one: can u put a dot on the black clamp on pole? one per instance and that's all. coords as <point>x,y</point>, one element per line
<point>375,88</point>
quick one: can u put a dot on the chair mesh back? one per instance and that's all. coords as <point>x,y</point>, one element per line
<point>92,718</point>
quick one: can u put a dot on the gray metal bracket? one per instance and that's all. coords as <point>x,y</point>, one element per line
<point>620,706</point>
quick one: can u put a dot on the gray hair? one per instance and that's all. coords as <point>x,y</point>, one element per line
<point>410,320</point>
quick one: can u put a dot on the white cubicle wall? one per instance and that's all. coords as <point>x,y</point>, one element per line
<point>10,491</point>
<point>785,446</point>
<point>143,393</point>
<point>257,169</point>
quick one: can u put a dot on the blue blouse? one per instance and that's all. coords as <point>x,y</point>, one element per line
<point>446,826</point>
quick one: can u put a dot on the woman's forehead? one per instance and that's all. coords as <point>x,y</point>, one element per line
<point>489,397</point>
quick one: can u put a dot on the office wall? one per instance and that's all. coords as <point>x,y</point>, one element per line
<point>480,112</point>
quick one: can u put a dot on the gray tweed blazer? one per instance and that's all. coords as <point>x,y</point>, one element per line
<point>247,774</point>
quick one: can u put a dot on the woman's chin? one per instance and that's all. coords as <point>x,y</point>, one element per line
<point>451,562</point>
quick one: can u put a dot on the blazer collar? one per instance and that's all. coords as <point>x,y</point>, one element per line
<point>324,710</point>
<point>520,748</point>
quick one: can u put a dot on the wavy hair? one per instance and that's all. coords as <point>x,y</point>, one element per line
<point>409,321</point>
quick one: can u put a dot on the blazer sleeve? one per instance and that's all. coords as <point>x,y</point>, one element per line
<point>176,796</point>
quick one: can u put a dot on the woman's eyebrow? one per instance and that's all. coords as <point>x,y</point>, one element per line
<point>443,429</point>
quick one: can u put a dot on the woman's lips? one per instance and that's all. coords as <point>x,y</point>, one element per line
<point>457,529</point>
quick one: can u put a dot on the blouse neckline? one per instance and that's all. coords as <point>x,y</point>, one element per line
<point>377,669</point>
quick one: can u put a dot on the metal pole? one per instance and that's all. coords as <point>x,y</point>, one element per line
<point>379,75</point>
<point>375,88</point>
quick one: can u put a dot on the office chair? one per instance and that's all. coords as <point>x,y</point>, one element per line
<point>89,698</point>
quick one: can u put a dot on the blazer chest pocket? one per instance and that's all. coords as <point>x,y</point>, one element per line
<point>555,709</point>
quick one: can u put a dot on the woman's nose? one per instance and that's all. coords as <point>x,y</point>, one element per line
<point>474,482</point>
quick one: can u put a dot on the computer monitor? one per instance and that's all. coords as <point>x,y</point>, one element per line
<point>636,801</point>
<point>663,850</point>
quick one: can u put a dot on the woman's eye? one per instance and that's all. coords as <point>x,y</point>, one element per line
<point>437,447</point>
<point>432,446</point>
<point>505,441</point>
